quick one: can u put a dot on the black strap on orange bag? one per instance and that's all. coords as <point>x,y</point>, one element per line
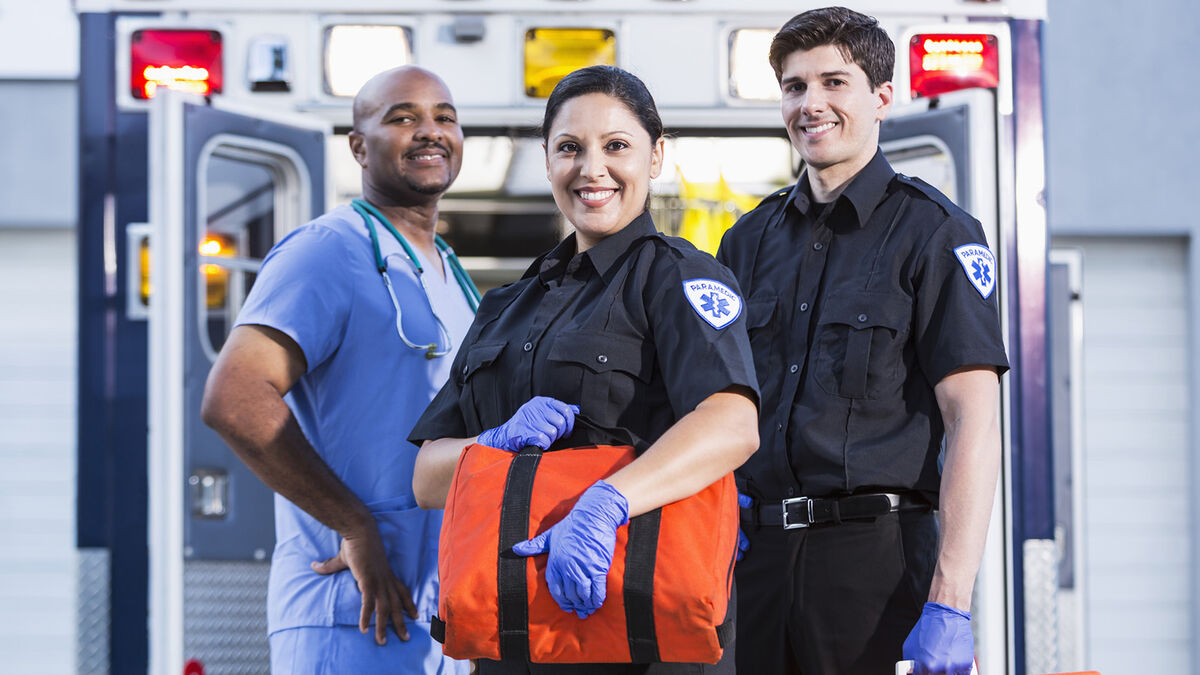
<point>514,529</point>
<point>641,554</point>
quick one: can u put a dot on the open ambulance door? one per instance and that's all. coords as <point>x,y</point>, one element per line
<point>223,188</point>
<point>951,142</point>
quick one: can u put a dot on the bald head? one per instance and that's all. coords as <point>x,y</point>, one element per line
<point>388,87</point>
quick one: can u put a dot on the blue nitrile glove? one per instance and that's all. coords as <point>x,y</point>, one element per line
<point>581,549</point>
<point>941,642</point>
<point>540,421</point>
<point>744,502</point>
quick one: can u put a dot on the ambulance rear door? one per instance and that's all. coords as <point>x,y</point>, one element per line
<point>951,142</point>
<point>224,186</point>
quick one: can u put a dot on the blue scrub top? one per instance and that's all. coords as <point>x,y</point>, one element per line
<point>361,395</point>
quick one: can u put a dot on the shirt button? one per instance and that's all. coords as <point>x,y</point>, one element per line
<point>817,246</point>
<point>528,346</point>
<point>464,370</point>
<point>862,318</point>
<point>602,358</point>
<point>791,491</point>
<point>778,427</point>
<point>804,307</point>
<point>794,368</point>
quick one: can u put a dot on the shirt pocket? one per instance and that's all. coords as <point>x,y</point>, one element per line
<point>860,343</point>
<point>480,399</point>
<point>605,368</point>
<point>762,324</point>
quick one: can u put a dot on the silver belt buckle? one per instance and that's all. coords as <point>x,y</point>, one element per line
<point>797,500</point>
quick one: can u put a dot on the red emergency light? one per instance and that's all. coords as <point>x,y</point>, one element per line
<point>944,62</point>
<point>186,60</point>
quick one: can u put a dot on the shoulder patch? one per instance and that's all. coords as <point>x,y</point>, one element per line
<point>715,302</point>
<point>980,266</point>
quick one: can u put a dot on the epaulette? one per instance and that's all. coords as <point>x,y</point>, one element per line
<point>783,192</point>
<point>935,195</point>
<point>774,196</point>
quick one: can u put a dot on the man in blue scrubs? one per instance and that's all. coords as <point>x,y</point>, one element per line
<point>324,376</point>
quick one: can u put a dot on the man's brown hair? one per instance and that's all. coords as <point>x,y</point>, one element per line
<point>859,37</point>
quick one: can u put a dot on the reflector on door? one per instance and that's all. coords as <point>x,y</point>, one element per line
<point>216,277</point>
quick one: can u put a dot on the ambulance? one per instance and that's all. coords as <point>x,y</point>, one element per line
<point>210,128</point>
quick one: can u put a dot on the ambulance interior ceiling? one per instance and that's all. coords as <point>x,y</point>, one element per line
<point>240,204</point>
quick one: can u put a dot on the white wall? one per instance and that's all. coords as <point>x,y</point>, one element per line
<point>37,451</point>
<point>1108,64</point>
<point>39,39</point>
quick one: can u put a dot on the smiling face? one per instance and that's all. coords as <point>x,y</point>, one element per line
<point>831,112</point>
<point>600,159</point>
<point>406,137</point>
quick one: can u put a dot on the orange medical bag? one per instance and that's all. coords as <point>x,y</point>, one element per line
<point>668,587</point>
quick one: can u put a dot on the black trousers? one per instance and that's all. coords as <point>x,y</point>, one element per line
<point>833,599</point>
<point>726,666</point>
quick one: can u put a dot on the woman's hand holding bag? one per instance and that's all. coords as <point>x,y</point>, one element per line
<point>540,421</point>
<point>581,549</point>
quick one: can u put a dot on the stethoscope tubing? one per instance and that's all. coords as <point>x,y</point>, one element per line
<point>432,350</point>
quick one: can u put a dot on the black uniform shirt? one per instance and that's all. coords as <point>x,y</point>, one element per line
<point>856,310</point>
<point>611,329</point>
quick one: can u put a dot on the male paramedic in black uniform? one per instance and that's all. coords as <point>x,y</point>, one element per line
<point>874,325</point>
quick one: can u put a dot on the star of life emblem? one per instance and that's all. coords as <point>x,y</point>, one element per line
<point>715,302</point>
<point>980,265</point>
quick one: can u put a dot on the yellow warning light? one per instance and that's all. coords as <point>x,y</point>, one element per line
<point>216,277</point>
<point>552,53</point>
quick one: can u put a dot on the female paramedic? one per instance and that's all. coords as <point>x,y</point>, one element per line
<point>640,334</point>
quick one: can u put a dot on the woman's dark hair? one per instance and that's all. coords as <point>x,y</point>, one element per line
<point>859,37</point>
<point>619,84</point>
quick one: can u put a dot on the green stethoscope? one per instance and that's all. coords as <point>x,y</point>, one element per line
<point>433,349</point>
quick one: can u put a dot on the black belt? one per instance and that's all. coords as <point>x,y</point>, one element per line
<point>805,511</point>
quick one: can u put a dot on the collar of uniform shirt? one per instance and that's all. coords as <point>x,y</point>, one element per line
<point>864,193</point>
<point>602,256</point>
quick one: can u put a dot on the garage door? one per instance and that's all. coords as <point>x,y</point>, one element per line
<point>37,451</point>
<point>1136,469</point>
